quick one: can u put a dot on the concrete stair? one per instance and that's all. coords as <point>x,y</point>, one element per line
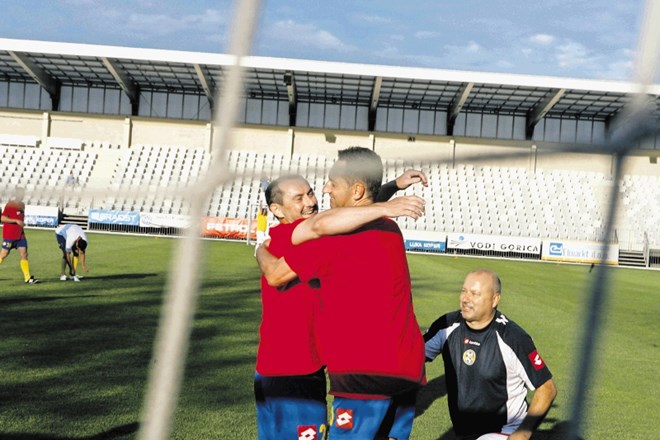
<point>631,258</point>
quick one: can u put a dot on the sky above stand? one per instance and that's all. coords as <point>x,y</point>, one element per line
<point>594,39</point>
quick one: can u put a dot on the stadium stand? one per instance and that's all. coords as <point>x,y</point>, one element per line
<point>489,200</point>
<point>474,199</point>
<point>43,173</point>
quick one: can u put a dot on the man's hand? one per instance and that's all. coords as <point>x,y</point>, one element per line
<point>20,223</point>
<point>409,206</point>
<point>411,177</point>
<point>538,408</point>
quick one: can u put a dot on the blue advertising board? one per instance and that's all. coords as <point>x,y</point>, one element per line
<point>426,246</point>
<point>107,217</point>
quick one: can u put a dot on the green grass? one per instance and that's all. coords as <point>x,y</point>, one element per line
<point>74,357</point>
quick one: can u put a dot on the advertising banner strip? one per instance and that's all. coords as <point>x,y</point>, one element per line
<point>107,217</point>
<point>494,243</point>
<point>40,220</point>
<point>579,252</point>
<point>426,246</point>
<point>46,216</point>
<point>157,220</point>
<point>227,228</point>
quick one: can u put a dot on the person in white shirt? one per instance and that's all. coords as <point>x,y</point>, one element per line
<point>72,241</point>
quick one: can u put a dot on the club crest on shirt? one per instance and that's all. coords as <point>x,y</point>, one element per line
<point>307,432</point>
<point>469,356</point>
<point>344,418</point>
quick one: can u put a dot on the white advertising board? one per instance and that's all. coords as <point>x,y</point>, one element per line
<point>579,251</point>
<point>157,220</point>
<point>494,243</point>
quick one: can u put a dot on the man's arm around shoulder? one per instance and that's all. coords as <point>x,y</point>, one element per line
<point>342,220</point>
<point>275,270</point>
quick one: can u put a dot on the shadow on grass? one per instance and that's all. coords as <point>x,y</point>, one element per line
<point>121,276</point>
<point>112,434</point>
<point>559,431</point>
<point>83,360</point>
<point>31,299</point>
<point>434,390</point>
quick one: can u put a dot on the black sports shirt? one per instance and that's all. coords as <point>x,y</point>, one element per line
<point>487,371</point>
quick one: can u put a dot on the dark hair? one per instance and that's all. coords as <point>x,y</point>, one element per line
<point>81,245</point>
<point>360,164</point>
<point>273,193</point>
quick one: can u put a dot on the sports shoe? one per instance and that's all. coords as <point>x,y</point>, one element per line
<point>32,280</point>
<point>76,279</point>
<point>63,278</point>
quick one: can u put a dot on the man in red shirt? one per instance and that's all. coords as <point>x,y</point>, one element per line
<point>13,235</point>
<point>365,292</point>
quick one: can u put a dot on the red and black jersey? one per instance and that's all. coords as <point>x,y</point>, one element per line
<point>288,336</point>
<point>12,231</point>
<point>370,339</point>
<point>487,371</point>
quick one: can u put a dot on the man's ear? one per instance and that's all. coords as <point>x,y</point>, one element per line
<point>359,190</point>
<point>276,209</point>
<point>496,300</point>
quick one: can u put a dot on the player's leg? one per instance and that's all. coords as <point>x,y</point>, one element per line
<point>74,265</point>
<point>291,406</point>
<point>21,246</point>
<point>65,264</point>
<point>61,243</point>
<point>401,415</point>
<point>6,247</point>
<point>357,419</point>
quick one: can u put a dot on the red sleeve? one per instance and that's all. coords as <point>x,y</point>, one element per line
<point>311,259</point>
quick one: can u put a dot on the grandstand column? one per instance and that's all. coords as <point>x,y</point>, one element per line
<point>532,158</point>
<point>209,137</point>
<point>372,141</point>
<point>128,132</point>
<point>291,138</point>
<point>45,126</point>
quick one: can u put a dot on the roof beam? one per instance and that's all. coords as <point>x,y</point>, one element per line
<point>125,82</point>
<point>540,110</point>
<point>457,105</point>
<point>292,93</point>
<point>205,81</point>
<point>47,82</point>
<point>373,102</point>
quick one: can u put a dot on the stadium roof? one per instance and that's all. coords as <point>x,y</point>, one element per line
<point>133,69</point>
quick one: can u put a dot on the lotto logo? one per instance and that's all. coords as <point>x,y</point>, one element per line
<point>307,432</point>
<point>536,360</point>
<point>344,418</point>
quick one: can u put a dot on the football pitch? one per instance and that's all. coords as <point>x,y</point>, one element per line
<point>74,357</point>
